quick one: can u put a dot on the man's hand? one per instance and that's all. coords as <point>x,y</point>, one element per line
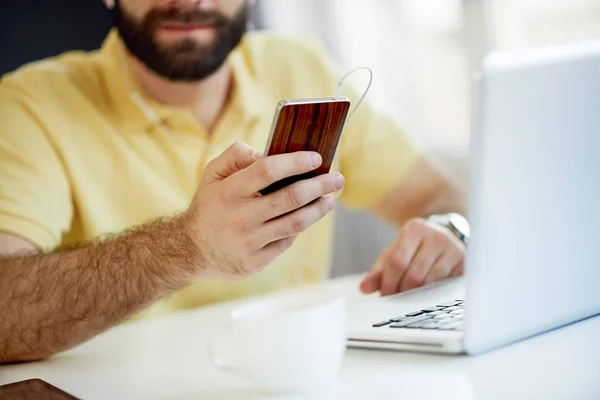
<point>424,252</point>
<point>50,302</point>
<point>236,230</point>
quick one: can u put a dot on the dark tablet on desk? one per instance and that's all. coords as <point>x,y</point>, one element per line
<point>33,389</point>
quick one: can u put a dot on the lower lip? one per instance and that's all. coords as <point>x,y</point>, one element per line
<point>185,28</point>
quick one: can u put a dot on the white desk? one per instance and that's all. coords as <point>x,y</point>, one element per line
<point>165,359</point>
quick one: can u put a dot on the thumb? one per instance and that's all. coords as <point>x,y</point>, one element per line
<point>237,157</point>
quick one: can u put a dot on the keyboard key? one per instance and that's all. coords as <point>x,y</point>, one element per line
<point>417,325</point>
<point>429,325</point>
<point>430,309</point>
<point>452,308</point>
<point>446,321</point>
<point>408,321</point>
<point>402,317</point>
<point>440,312</point>
<point>414,313</point>
<point>450,304</point>
<point>453,326</point>
<point>461,311</point>
<point>443,316</point>
<point>382,323</point>
<point>460,316</point>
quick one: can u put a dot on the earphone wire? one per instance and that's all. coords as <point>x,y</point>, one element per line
<point>338,94</point>
<point>340,87</point>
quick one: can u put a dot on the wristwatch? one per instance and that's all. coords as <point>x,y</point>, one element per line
<point>455,223</point>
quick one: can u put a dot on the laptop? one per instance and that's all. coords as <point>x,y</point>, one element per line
<point>533,260</point>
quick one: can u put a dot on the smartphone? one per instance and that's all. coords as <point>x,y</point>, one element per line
<point>307,125</point>
<point>33,389</point>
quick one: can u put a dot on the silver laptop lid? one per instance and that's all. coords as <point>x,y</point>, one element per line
<point>534,257</point>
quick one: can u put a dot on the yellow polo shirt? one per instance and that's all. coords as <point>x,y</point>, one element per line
<point>80,158</point>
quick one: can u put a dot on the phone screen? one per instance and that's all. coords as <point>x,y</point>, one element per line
<point>33,389</point>
<point>308,126</point>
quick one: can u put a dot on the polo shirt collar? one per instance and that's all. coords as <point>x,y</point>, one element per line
<point>139,112</point>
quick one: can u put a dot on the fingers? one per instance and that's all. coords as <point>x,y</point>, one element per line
<point>430,251</point>
<point>409,242</point>
<point>298,195</point>
<point>237,157</point>
<point>372,281</point>
<point>269,170</point>
<point>296,222</point>
<point>459,269</point>
<point>274,249</point>
<point>443,268</point>
<point>422,254</point>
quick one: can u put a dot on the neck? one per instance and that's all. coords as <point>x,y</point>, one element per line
<point>206,99</point>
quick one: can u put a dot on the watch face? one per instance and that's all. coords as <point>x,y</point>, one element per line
<point>461,224</point>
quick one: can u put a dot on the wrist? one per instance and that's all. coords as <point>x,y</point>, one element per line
<point>171,255</point>
<point>455,223</point>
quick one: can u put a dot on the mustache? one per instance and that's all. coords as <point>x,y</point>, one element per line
<point>186,16</point>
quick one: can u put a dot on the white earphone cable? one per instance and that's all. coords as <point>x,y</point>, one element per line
<point>340,86</point>
<point>338,94</point>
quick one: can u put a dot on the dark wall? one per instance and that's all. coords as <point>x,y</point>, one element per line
<point>35,29</point>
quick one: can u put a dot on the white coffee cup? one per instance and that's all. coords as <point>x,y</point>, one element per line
<point>287,343</point>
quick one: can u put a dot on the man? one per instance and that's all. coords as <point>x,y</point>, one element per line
<point>95,144</point>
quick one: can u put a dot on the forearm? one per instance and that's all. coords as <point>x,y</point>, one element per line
<point>51,302</point>
<point>425,192</point>
<point>450,198</point>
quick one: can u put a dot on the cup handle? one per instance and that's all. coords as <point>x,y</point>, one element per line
<point>220,335</point>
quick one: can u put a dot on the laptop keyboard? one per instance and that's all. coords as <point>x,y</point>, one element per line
<point>448,316</point>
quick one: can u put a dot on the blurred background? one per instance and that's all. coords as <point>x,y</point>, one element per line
<point>424,54</point>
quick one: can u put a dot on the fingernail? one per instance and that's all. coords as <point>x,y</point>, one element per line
<point>338,181</point>
<point>258,154</point>
<point>315,160</point>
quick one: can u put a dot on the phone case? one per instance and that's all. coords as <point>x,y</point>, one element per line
<point>307,125</point>
<point>33,389</point>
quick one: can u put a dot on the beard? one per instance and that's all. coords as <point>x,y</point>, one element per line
<point>186,60</point>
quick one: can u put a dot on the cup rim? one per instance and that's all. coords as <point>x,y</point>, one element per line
<point>322,298</point>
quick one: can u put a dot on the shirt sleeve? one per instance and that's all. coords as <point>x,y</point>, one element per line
<point>375,155</point>
<point>35,199</point>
